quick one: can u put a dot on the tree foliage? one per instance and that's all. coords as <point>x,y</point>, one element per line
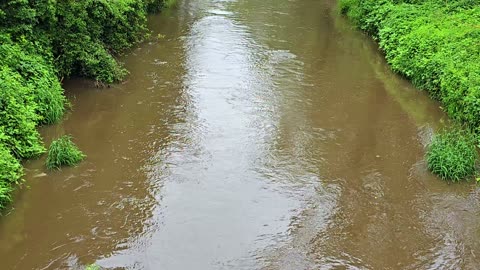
<point>82,36</point>
<point>452,155</point>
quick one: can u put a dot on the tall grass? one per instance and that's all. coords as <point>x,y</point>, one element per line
<point>63,152</point>
<point>452,155</point>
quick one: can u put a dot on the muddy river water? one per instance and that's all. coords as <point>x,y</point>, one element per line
<point>252,134</point>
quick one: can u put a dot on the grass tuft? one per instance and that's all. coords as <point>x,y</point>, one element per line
<point>93,267</point>
<point>63,152</point>
<point>452,155</point>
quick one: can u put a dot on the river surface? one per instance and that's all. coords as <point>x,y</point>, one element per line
<point>256,134</point>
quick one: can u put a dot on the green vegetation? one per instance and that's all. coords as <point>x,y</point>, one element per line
<point>92,267</point>
<point>170,3</point>
<point>436,45</point>
<point>63,152</point>
<point>452,155</point>
<point>42,42</point>
<point>78,37</point>
<point>10,173</point>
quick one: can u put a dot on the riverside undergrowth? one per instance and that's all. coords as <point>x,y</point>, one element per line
<point>41,43</point>
<point>435,44</point>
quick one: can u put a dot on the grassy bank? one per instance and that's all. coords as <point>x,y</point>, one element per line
<point>43,42</point>
<point>435,44</point>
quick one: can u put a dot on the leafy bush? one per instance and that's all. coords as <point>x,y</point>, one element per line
<point>80,35</point>
<point>5,194</point>
<point>88,32</point>
<point>433,43</point>
<point>452,155</point>
<point>17,116</point>
<point>10,173</point>
<point>63,152</point>
<point>156,5</point>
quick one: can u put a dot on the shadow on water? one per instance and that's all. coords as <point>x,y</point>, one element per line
<point>255,135</point>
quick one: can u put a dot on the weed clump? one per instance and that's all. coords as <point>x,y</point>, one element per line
<point>452,155</point>
<point>63,152</point>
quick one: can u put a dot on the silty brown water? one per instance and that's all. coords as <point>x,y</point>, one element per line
<point>255,135</point>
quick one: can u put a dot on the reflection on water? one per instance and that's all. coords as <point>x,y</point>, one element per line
<point>256,135</point>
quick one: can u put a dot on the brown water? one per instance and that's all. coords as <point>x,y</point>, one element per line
<point>258,134</point>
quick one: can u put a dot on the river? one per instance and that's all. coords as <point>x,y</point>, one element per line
<point>255,134</point>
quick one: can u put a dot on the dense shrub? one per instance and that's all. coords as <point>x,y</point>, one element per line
<point>10,173</point>
<point>63,152</point>
<point>37,74</point>
<point>452,155</point>
<point>435,44</point>
<point>80,35</point>
<point>87,32</point>
<point>17,116</point>
<point>5,193</point>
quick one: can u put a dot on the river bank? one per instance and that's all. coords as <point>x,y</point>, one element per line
<point>43,43</point>
<point>434,44</point>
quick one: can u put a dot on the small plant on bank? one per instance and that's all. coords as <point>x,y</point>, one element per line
<point>63,152</point>
<point>93,267</point>
<point>452,155</point>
